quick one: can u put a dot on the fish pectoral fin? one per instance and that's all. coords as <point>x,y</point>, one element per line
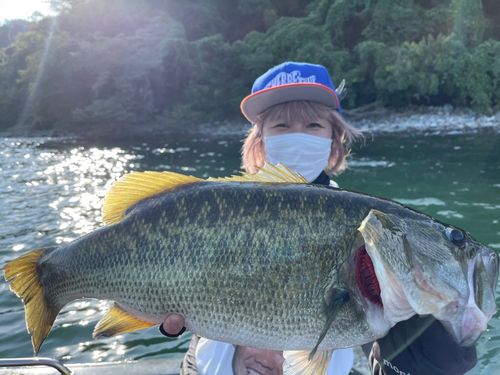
<point>269,173</point>
<point>117,321</point>
<point>137,186</point>
<point>299,362</point>
<point>334,300</point>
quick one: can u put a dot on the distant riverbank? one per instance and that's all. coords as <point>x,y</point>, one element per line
<point>369,119</point>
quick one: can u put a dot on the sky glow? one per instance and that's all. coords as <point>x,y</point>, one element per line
<point>23,9</point>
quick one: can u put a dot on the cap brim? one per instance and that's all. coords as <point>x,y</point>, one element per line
<point>256,103</point>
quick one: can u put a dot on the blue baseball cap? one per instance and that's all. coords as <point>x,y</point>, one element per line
<point>288,82</point>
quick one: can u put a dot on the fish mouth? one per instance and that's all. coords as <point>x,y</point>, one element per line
<point>467,328</point>
<point>468,322</point>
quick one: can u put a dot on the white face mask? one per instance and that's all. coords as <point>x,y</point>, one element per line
<point>304,153</point>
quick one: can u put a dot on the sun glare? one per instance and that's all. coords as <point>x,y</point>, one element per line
<point>23,9</point>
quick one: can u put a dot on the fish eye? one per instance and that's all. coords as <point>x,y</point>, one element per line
<point>456,236</point>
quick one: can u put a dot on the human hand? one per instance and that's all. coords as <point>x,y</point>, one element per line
<point>173,325</point>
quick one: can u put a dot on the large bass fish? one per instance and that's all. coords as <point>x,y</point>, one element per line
<point>262,260</point>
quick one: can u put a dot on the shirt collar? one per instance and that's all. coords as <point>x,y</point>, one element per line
<point>322,179</point>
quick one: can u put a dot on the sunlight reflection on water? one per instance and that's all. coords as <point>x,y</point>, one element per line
<point>85,175</point>
<point>78,179</point>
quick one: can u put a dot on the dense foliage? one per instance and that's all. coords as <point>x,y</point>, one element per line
<point>125,64</point>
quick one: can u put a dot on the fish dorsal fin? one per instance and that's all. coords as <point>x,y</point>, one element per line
<point>269,173</point>
<point>299,362</point>
<point>117,321</point>
<point>136,186</point>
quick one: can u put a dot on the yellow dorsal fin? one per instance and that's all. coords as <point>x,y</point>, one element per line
<point>117,321</point>
<point>270,173</point>
<point>136,186</point>
<point>299,362</point>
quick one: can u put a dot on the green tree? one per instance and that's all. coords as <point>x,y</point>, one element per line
<point>126,64</point>
<point>469,23</point>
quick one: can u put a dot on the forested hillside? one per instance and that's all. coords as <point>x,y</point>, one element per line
<point>127,64</point>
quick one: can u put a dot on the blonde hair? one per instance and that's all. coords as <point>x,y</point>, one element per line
<point>305,111</point>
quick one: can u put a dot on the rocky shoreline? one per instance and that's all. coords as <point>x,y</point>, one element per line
<point>430,120</point>
<point>427,120</point>
<point>370,120</point>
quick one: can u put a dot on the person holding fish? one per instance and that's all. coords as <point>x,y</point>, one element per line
<point>296,116</point>
<point>275,260</point>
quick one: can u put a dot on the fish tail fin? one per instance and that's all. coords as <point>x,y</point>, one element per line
<point>24,276</point>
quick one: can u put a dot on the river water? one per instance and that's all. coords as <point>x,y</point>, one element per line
<point>51,192</point>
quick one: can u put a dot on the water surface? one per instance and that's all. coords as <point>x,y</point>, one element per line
<point>51,192</point>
